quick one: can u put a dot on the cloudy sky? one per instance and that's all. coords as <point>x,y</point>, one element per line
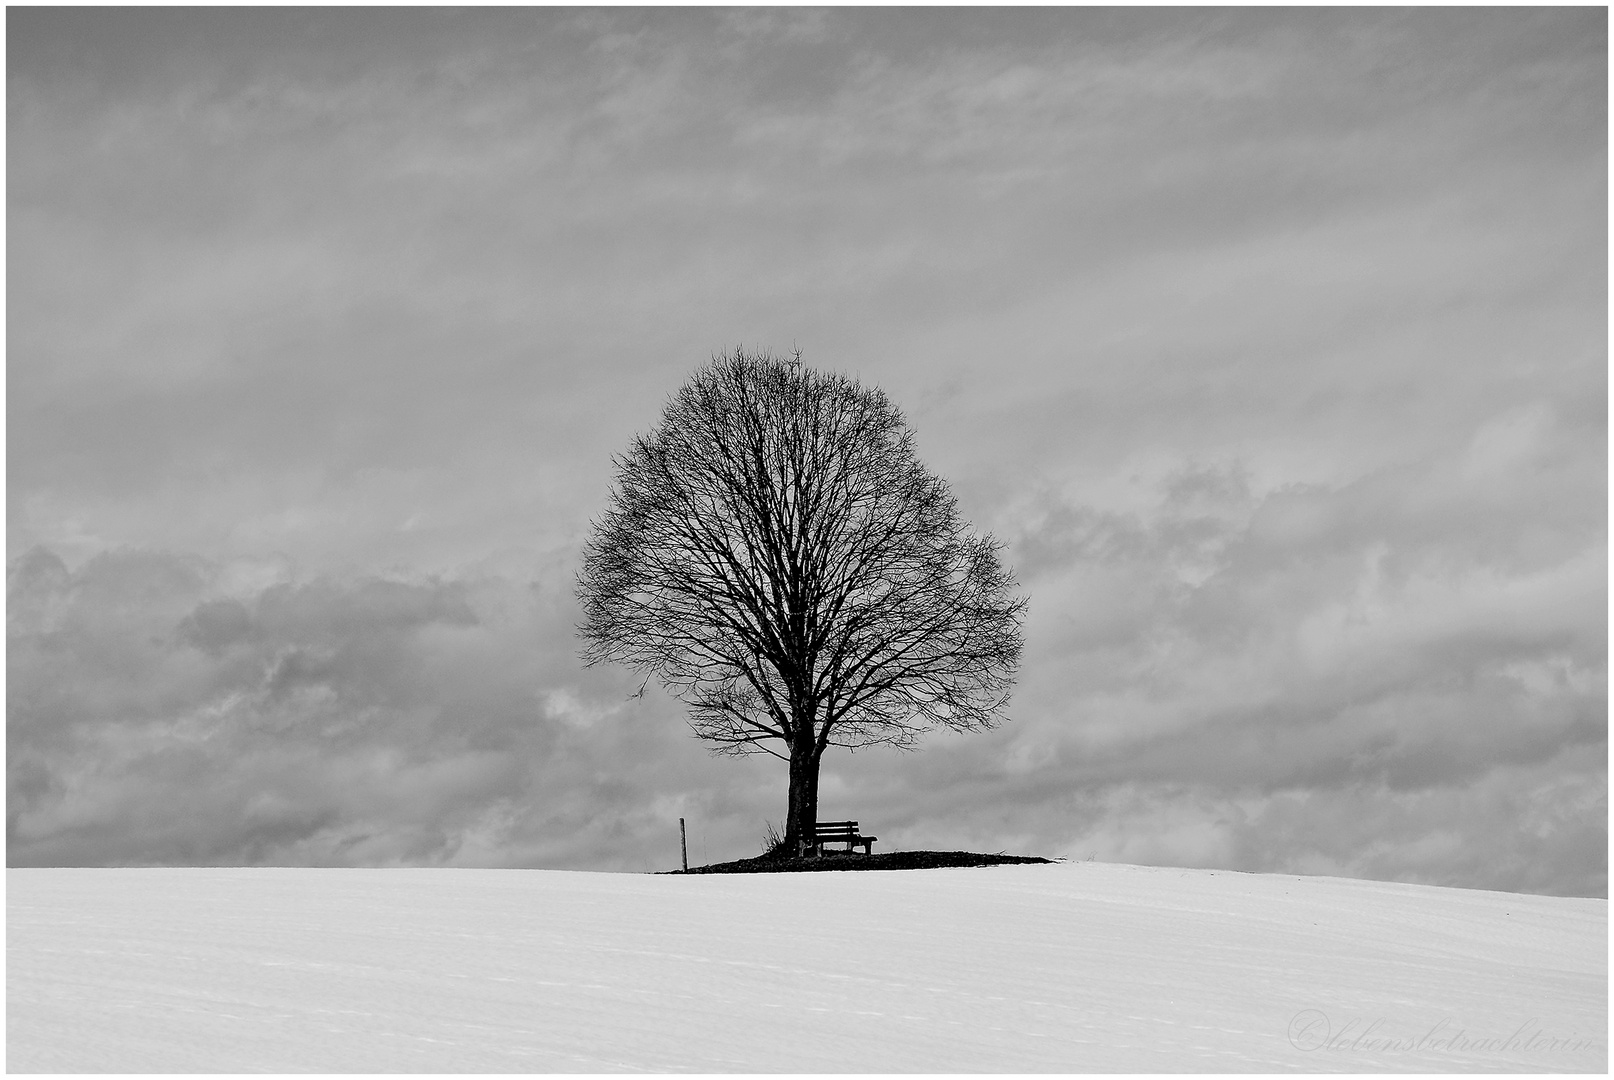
<point>1272,344</point>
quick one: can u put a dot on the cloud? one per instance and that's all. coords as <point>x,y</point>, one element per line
<point>154,718</point>
<point>1415,636</point>
<point>1273,343</point>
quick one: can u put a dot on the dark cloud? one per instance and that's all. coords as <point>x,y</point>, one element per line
<point>378,721</point>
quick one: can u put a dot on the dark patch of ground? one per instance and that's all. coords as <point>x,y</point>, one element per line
<point>856,860</point>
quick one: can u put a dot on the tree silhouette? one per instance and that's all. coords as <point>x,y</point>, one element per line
<point>776,556</point>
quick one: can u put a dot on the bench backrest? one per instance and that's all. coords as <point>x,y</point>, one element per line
<point>835,828</point>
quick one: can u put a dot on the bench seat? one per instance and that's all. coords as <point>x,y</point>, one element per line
<point>837,832</point>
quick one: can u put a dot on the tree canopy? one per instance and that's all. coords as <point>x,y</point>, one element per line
<point>776,555</point>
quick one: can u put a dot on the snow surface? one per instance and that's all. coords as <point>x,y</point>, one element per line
<point>1084,967</point>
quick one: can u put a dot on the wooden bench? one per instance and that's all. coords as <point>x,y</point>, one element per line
<point>835,832</point>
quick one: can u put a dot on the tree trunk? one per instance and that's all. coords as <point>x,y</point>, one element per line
<point>802,817</point>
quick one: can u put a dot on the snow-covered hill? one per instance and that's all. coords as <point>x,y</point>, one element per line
<point>1086,967</point>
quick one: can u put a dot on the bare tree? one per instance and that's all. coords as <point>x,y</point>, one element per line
<point>775,555</point>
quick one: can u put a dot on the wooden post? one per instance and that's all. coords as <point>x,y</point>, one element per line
<point>683,842</point>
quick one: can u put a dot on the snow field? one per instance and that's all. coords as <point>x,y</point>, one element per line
<point>1069,968</point>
